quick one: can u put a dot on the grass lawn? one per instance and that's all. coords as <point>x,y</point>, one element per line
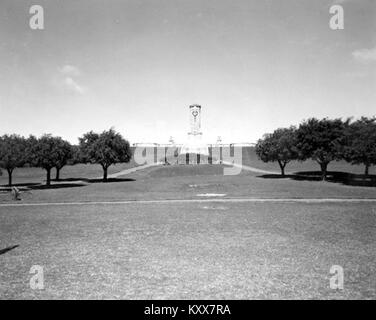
<point>181,251</point>
<point>185,182</point>
<point>189,249</point>
<point>22,176</point>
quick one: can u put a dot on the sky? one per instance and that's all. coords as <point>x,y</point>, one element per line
<point>137,65</point>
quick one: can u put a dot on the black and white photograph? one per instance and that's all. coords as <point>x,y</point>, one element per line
<point>187,150</point>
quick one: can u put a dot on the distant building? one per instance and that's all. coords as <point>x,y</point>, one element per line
<point>193,151</point>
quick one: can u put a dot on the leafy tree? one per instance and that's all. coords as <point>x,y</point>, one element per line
<point>322,141</point>
<point>65,153</point>
<point>45,153</point>
<point>361,143</point>
<point>106,148</point>
<point>13,153</point>
<point>76,155</point>
<point>279,146</point>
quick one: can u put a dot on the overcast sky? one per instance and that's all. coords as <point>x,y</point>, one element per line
<point>138,64</point>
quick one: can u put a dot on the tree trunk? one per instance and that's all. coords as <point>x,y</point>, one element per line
<point>10,171</point>
<point>366,171</point>
<point>48,182</point>
<point>104,173</point>
<point>282,166</point>
<point>57,178</point>
<point>324,168</point>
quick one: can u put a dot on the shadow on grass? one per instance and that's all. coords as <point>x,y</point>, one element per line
<point>61,184</point>
<point>5,250</point>
<point>276,176</point>
<point>57,186</point>
<point>95,180</point>
<point>350,179</point>
<point>111,180</point>
<point>21,184</point>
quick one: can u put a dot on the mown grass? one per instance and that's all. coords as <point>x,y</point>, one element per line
<point>22,176</point>
<point>189,251</point>
<point>185,182</point>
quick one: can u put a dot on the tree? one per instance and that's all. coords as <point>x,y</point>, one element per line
<point>65,153</point>
<point>280,146</point>
<point>13,153</point>
<point>361,143</point>
<point>106,148</point>
<point>76,155</point>
<point>322,141</point>
<point>45,153</point>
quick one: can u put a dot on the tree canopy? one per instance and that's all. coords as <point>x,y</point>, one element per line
<point>106,148</point>
<point>13,153</point>
<point>279,146</point>
<point>361,143</point>
<point>46,153</point>
<point>65,153</point>
<point>322,141</point>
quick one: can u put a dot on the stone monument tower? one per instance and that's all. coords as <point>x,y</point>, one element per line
<point>194,144</point>
<point>195,119</point>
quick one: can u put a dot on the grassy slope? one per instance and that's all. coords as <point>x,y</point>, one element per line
<point>181,181</point>
<point>37,175</point>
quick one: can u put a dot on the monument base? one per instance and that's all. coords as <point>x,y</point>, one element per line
<point>193,159</point>
<point>204,150</point>
<point>194,150</point>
